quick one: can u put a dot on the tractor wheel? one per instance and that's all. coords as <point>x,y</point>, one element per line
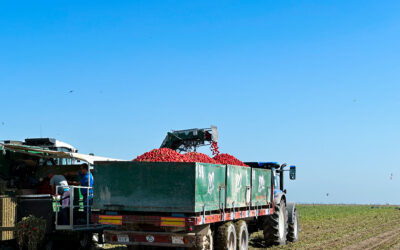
<point>226,237</point>
<point>242,235</point>
<point>293,230</point>
<point>275,226</point>
<point>204,242</point>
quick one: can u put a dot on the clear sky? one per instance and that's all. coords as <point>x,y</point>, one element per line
<point>311,83</point>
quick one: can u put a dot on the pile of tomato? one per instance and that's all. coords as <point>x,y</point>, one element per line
<point>228,159</point>
<point>162,155</point>
<point>199,157</point>
<point>169,155</point>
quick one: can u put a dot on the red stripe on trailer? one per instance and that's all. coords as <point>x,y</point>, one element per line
<point>212,218</point>
<point>262,212</point>
<point>142,219</point>
<point>230,216</point>
<point>159,221</point>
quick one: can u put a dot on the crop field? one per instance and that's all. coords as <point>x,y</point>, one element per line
<point>343,227</point>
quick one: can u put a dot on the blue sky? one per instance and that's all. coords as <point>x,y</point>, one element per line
<point>311,83</point>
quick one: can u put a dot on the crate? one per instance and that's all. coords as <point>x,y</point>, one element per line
<point>8,216</point>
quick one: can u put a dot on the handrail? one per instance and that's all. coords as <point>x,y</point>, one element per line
<point>71,206</point>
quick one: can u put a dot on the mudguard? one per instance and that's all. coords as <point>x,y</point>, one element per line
<point>290,207</point>
<point>278,196</point>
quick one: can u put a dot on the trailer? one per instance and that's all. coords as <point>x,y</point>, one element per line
<point>193,205</point>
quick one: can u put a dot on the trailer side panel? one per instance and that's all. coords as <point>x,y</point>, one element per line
<point>158,186</point>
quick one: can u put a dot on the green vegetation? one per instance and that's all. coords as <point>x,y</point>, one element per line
<point>30,232</point>
<point>339,226</point>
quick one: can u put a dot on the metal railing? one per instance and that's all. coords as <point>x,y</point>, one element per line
<point>72,211</point>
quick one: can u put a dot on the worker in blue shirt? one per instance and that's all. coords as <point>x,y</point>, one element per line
<point>86,180</point>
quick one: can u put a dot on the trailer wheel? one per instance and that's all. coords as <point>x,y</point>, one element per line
<point>98,238</point>
<point>242,235</point>
<point>204,242</point>
<point>293,229</point>
<point>226,237</point>
<point>275,226</point>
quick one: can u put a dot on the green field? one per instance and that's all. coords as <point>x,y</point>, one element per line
<point>343,226</point>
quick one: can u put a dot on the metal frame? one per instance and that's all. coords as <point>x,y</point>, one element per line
<point>165,238</point>
<point>195,220</point>
<point>71,207</point>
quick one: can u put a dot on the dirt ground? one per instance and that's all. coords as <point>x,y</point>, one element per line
<point>344,227</point>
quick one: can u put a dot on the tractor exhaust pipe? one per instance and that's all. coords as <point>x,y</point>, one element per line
<point>281,175</point>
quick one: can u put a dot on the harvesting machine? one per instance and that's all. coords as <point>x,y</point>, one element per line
<point>25,191</point>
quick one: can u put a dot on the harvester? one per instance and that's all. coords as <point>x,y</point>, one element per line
<point>25,190</point>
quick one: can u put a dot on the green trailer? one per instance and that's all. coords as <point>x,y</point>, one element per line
<point>179,187</point>
<point>178,204</point>
<point>159,186</point>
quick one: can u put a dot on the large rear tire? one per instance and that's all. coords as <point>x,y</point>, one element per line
<point>242,235</point>
<point>293,229</point>
<point>226,238</point>
<point>205,241</point>
<point>276,226</point>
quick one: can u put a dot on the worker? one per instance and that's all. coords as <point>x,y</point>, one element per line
<point>86,180</point>
<point>59,184</point>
